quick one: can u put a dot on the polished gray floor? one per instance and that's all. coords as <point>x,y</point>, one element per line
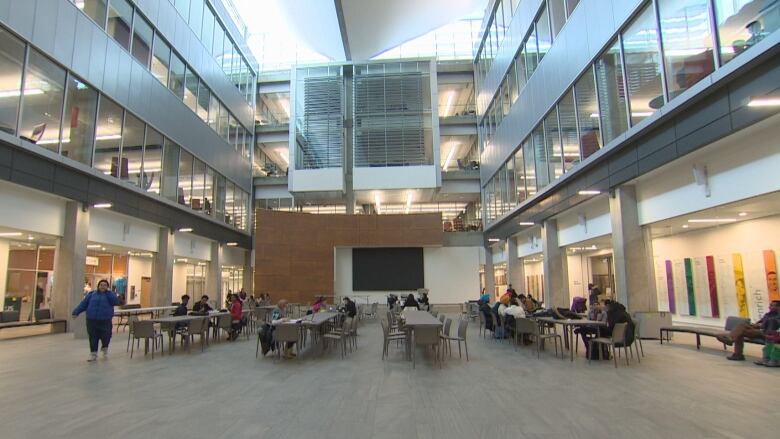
<point>49,391</point>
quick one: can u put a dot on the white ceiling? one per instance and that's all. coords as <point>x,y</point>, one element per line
<point>371,26</point>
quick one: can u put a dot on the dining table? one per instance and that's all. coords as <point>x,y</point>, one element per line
<point>411,319</point>
<point>315,323</point>
<point>172,321</point>
<point>568,326</point>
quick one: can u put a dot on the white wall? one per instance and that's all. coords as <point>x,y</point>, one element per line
<point>187,245</point>
<point>586,221</point>
<point>397,177</point>
<point>233,256</point>
<point>313,180</point>
<point>579,274</point>
<point>529,242</point>
<point>451,275</point>
<point>4,247</point>
<point>30,210</point>
<point>138,267</point>
<point>179,287</point>
<point>112,228</point>
<point>748,239</point>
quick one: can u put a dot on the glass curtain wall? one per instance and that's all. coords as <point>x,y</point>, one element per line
<point>78,131</point>
<point>44,91</point>
<point>612,93</point>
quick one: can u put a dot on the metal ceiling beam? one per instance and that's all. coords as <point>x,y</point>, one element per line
<point>343,29</point>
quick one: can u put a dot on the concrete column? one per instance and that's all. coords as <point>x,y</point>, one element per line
<point>632,250</point>
<point>69,262</point>
<point>162,269</point>
<point>248,280</point>
<point>490,280</point>
<point>556,272</point>
<point>214,277</point>
<point>514,266</point>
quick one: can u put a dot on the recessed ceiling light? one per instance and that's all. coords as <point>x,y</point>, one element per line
<point>685,226</point>
<point>185,229</point>
<point>493,240</point>
<point>231,244</point>
<point>743,214</point>
<point>93,246</point>
<point>713,220</point>
<point>102,206</point>
<point>30,237</point>
<point>525,223</point>
<point>10,234</point>
<point>764,102</point>
<point>589,192</point>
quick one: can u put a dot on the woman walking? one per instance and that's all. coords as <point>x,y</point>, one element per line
<point>99,305</point>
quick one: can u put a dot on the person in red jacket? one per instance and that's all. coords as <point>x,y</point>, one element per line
<point>236,315</point>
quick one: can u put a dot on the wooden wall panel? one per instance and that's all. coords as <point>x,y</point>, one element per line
<point>294,251</point>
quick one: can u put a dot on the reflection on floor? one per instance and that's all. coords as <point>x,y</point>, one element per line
<point>48,390</point>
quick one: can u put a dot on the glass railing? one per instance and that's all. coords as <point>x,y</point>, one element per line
<point>457,110</point>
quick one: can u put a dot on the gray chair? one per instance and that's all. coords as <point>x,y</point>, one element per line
<point>426,336</point>
<point>144,329</point>
<point>130,322</point>
<point>445,337</point>
<point>617,341</point>
<point>9,316</point>
<point>339,335</point>
<point>461,337</point>
<point>528,326</point>
<point>224,322</point>
<point>286,333</point>
<point>520,331</point>
<point>388,336</point>
<point>199,327</point>
<point>442,317</point>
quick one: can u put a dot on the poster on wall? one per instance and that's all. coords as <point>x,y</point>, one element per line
<point>726,286</point>
<point>660,285</point>
<point>690,287</point>
<point>680,287</point>
<point>770,269</point>
<point>701,287</point>
<point>712,283</point>
<point>670,287</point>
<point>740,291</point>
<point>756,284</point>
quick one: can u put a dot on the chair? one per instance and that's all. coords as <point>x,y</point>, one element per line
<point>286,333</point>
<point>528,326</point>
<point>617,341</point>
<point>131,320</point>
<point>42,314</point>
<point>144,329</point>
<point>442,317</point>
<point>523,330</point>
<point>9,316</point>
<point>224,322</point>
<point>445,336</point>
<point>340,335</point>
<point>435,313</point>
<point>388,336</point>
<point>373,313</point>
<point>481,318</point>
<point>638,339</point>
<point>353,331</point>
<point>461,337</point>
<point>199,327</point>
<point>426,336</point>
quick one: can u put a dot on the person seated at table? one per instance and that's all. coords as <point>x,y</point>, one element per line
<point>319,305</point>
<point>411,302</point>
<point>236,315</point>
<point>422,301</point>
<point>348,307</point>
<point>242,297</point>
<point>597,313</point>
<point>202,306</point>
<point>616,313</point>
<point>277,317</point>
<point>181,309</point>
<point>515,309</point>
<point>579,305</point>
<point>527,303</point>
<point>770,321</point>
<point>484,297</point>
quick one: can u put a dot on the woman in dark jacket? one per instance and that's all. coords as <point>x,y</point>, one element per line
<point>99,305</point>
<point>411,302</point>
<point>616,313</point>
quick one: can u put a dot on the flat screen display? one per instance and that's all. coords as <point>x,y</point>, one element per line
<point>387,269</point>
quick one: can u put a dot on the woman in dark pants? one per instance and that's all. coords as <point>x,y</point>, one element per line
<point>99,305</point>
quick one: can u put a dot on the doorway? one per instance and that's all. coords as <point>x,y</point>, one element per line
<point>146,292</point>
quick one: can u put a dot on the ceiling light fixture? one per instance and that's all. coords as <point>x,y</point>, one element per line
<point>232,244</point>
<point>377,203</point>
<point>93,245</point>
<point>589,192</point>
<point>102,206</point>
<point>743,214</point>
<point>450,155</point>
<point>408,201</point>
<point>713,220</point>
<point>185,229</point>
<point>685,226</point>
<point>493,240</point>
<point>109,137</point>
<point>525,223</point>
<point>10,234</point>
<point>764,102</point>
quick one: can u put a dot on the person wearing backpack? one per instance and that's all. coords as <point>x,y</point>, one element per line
<point>99,306</point>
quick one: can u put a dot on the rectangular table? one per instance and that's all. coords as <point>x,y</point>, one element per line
<point>413,319</point>
<point>173,320</point>
<point>313,322</point>
<point>568,329</point>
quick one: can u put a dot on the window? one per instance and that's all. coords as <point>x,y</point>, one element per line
<point>219,36</point>
<point>108,137</point>
<point>568,127</point>
<point>95,9</point>
<point>142,40</point>
<point>687,42</point>
<point>120,18</point>
<point>79,130</point>
<point>183,6</point>
<point>508,12</point>
<point>530,172</point>
<point>132,149</point>
<point>198,184</point>
<point>214,114</point>
<point>207,36</point>
<point>176,79</point>
<point>553,142</point>
<point>612,93</point>
<point>191,90</point>
<point>520,176</point>
<point>204,98</point>
<point>196,16</point>
<point>208,192</point>
<point>540,154</point>
<point>44,91</point>
<point>11,64</point>
<point>224,127</point>
<point>238,209</point>
<point>515,4</point>
<point>219,198</point>
<point>643,65</point>
<point>227,56</point>
<point>743,23</point>
<point>543,34</point>
<point>161,60</point>
<point>531,53</point>
<point>557,15</point>
<point>185,178</point>
<point>511,78</point>
<point>229,191</point>
<point>170,172</point>
<point>570,5</point>
<point>153,154</point>
<point>520,63</point>
<point>587,114</point>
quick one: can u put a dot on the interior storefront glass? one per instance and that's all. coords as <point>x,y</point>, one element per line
<point>587,114</point>
<point>132,149</point>
<point>743,23</point>
<point>11,64</point>
<point>29,277</point>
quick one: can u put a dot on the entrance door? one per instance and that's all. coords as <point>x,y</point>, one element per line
<point>146,292</point>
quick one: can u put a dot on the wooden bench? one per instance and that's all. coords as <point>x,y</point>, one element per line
<point>17,329</point>
<point>731,323</point>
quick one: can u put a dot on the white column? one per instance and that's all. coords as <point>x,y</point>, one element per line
<point>490,280</point>
<point>556,276</point>
<point>514,266</point>
<point>162,269</point>
<point>214,278</point>
<point>69,261</point>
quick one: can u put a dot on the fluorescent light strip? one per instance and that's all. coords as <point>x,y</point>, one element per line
<point>185,229</point>
<point>764,102</point>
<point>449,156</point>
<point>408,201</point>
<point>589,192</point>
<point>231,244</point>
<point>10,234</point>
<point>713,220</point>
<point>102,205</point>
<point>377,203</point>
<point>525,223</point>
<point>493,240</point>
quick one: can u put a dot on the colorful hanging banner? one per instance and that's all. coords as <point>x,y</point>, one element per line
<point>670,287</point>
<point>689,286</point>
<point>771,275</point>
<point>739,284</point>
<point>712,280</point>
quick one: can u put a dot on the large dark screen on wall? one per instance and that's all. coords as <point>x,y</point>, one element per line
<point>387,269</point>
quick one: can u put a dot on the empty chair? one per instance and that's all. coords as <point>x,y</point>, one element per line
<point>286,333</point>
<point>389,336</point>
<point>617,341</point>
<point>224,322</point>
<point>42,314</point>
<point>445,336</point>
<point>144,329</point>
<point>442,317</point>
<point>460,338</point>
<point>374,308</point>
<point>353,332</point>
<point>426,336</point>
<point>528,326</point>
<point>339,335</point>
<point>638,339</point>
<point>130,322</point>
<point>199,327</point>
<point>481,318</point>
